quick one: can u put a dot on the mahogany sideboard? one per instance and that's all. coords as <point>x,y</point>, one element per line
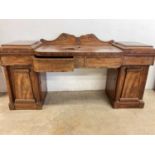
<point>26,63</point>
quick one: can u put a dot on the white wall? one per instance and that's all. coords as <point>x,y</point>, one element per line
<point>80,79</point>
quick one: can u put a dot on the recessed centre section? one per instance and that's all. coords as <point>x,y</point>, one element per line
<point>71,48</point>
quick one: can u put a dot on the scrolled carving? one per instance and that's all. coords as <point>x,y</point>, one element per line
<point>68,39</point>
<point>90,39</point>
<point>63,39</point>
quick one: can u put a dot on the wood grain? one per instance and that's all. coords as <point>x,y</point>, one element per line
<point>53,64</point>
<point>100,62</point>
<point>16,60</point>
<point>22,84</point>
<point>138,60</point>
<point>25,91</point>
<point>125,86</point>
<point>26,63</point>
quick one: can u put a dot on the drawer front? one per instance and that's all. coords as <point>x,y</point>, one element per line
<point>138,60</point>
<point>100,62</point>
<point>53,64</point>
<point>16,60</point>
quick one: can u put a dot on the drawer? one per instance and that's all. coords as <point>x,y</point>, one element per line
<point>16,60</point>
<point>99,62</point>
<point>56,64</point>
<point>138,60</point>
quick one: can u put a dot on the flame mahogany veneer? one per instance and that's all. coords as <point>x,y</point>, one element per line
<point>26,63</point>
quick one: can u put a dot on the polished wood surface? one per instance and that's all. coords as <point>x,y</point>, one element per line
<point>125,86</point>
<point>53,64</point>
<point>69,45</point>
<point>26,63</point>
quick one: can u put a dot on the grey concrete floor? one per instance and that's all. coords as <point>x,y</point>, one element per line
<point>84,112</point>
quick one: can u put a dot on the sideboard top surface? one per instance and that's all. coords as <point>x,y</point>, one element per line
<point>71,45</point>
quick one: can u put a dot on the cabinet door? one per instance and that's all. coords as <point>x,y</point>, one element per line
<point>22,85</point>
<point>134,83</point>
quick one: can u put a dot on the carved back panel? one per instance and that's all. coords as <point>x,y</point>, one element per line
<point>68,39</point>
